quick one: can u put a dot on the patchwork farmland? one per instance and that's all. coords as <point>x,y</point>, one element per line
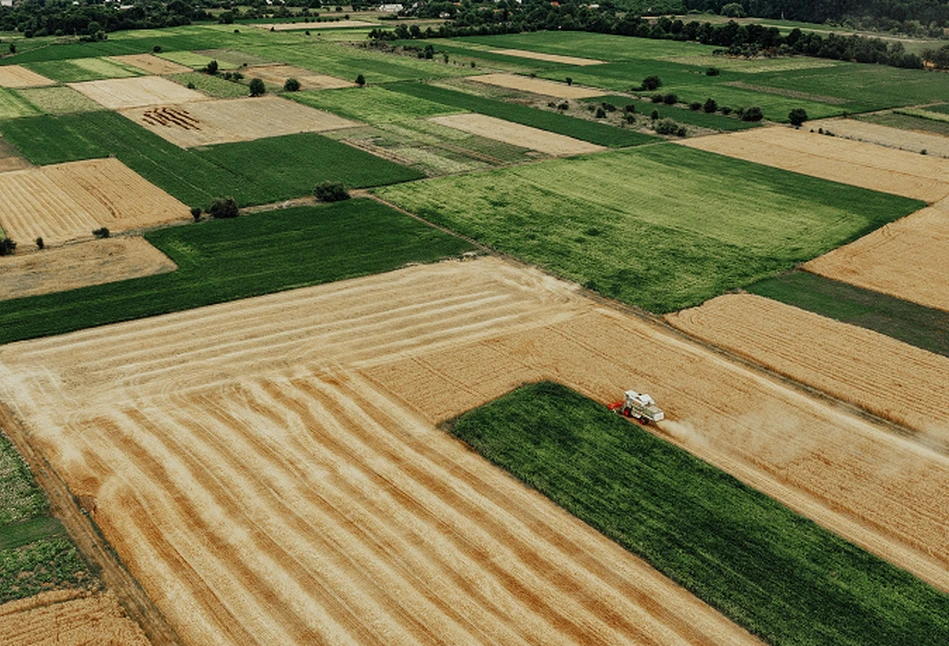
<point>384,420</point>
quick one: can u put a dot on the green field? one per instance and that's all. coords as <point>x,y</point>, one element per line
<point>12,105</point>
<point>909,322</point>
<point>781,576</point>
<point>195,60</point>
<point>225,260</point>
<point>59,99</point>
<point>84,69</point>
<point>942,108</point>
<point>372,104</point>
<point>662,227</point>
<point>583,129</point>
<point>211,85</point>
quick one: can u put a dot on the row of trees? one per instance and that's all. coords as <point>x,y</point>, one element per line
<point>63,18</point>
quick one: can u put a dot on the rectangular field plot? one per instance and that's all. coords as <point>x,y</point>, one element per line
<point>537,86</point>
<point>652,226</point>
<point>16,76</point>
<point>12,105</point>
<point>518,135</point>
<point>874,133</point>
<point>84,69</point>
<point>132,93</point>
<point>841,160</point>
<point>67,201</point>
<point>59,100</point>
<point>373,104</point>
<point>213,86</point>
<point>551,58</point>
<point>274,76</point>
<point>229,120</point>
<point>151,64</point>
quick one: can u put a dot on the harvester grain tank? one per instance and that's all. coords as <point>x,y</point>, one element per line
<point>639,406</point>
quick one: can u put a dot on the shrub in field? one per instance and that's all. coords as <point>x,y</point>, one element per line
<point>102,232</point>
<point>710,106</point>
<point>40,244</point>
<point>725,110</point>
<point>569,81</point>
<point>654,115</point>
<point>7,247</point>
<point>211,68</point>
<point>257,87</point>
<point>670,99</point>
<point>291,85</point>
<point>695,106</point>
<point>752,113</point>
<point>563,106</point>
<point>361,80</point>
<point>600,113</point>
<point>331,192</point>
<point>630,118</point>
<point>609,107</point>
<point>630,108</point>
<point>157,49</point>
<point>651,83</point>
<point>666,127</point>
<point>196,213</point>
<point>797,116</point>
<point>682,132</point>
<point>656,98</point>
<point>712,71</point>
<point>224,207</point>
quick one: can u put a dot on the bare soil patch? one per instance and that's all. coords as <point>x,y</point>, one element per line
<point>880,374</point>
<point>10,158</point>
<point>518,135</point>
<point>117,94</point>
<point>293,26</point>
<point>65,202</point>
<point>908,258</point>
<point>276,75</point>
<point>538,86</point>
<point>80,265</point>
<point>553,58</point>
<point>228,120</point>
<point>151,64</point>
<point>15,76</point>
<point>68,618</point>
<point>873,133</point>
<point>834,158</point>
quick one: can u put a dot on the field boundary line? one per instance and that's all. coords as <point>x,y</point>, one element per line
<point>84,531</point>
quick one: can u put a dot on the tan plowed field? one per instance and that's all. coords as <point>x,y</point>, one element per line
<point>518,135</point>
<point>908,258</point>
<point>68,618</point>
<point>63,202</point>
<point>274,76</point>
<point>874,133</point>
<point>885,376</point>
<point>91,263</point>
<point>538,86</point>
<point>151,64</point>
<point>15,76</point>
<point>117,94</point>
<point>227,120</point>
<point>269,471</point>
<point>553,58</point>
<point>842,160</point>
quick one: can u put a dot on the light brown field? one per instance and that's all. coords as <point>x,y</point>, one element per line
<point>908,258</point>
<point>538,86</point>
<point>10,158</point>
<point>269,471</point>
<point>92,263</point>
<point>834,158</point>
<point>15,76</point>
<point>874,133</point>
<point>517,135</point>
<point>64,202</point>
<point>151,64</point>
<point>276,75</point>
<point>228,120</point>
<point>117,94</point>
<point>68,618</point>
<point>553,58</point>
<point>876,372</point>
<point>292,26</point>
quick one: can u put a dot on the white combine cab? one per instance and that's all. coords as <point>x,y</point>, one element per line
<point>639,406</point>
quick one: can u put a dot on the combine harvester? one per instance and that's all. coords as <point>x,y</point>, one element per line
<point>639,406</point>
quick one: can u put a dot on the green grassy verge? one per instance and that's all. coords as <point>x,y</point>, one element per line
<point>679,114</point>
<point>943,108</point>
<point>915,324</point>
<point>211,85</point>
<point>59,99</point>
<point>662,227</point>
<point>591,131</point>
<point>84,69</point>
<point>372,104</point>
<point>226,260</point>
<point>12,105</point>
<point>770,570</point>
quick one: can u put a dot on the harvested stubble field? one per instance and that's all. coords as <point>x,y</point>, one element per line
<point>92,263</point>
<point>151,64</point>
<point>230,120</point>
<point>880,374</point>
<point>373,104</point>
<point>551,58</point>
<point>16,76</point>
<point>68,618</point>
<point>260,464</point>
<point>117,94</point>
<point>885,136</point>
<point>518,135</point>
<point>67,201</point>
<point>834,158</point>
<point>538,86</point>
<point>274,76</point>
<point>908,258</point>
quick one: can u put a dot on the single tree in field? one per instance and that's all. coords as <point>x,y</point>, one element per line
<point>710,106</point>
<point>291,85</point>
<point>40,244</point>
<point>196,213</point>
<point>224,207</point>
<point>257,87</point>
<point>102,232</point>
<point>651,83</point>
<point>211,68</point>
<point>7,247</point>
<point>569,81</point>
<point>329,191</point>
<point>797,116</point>
<point>753,113</point>
<point>360,80</point>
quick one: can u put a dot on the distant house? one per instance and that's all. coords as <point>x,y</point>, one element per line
<point>6,3</point>
<point>391,8</point>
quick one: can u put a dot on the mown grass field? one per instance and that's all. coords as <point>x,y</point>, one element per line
<point>226,260</point>
<point>211,85</point>
<point>12,105</point>
<point>373,104</point>
<point>591,131</point>
<point>59,99</point>
<point>772,571</point>
<point>661,227</point>
<point>909,322</point>
<point>84,69</point>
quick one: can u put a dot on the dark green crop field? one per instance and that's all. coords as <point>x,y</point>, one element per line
<point>225,260</point>
<point>772,571</point>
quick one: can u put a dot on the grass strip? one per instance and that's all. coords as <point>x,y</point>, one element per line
<point>24,533</point>
<point>918,325</point>
<point>679,115</point>
<point>772,571</point>
<point>225,260</point>
<point>596,133</point>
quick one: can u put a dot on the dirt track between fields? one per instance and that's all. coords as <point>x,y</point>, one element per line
<point>517,134</point>
<point>269,471</point>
